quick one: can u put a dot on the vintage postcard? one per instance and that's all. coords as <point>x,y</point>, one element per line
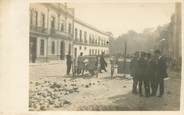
<point>93,55</point>
<point>104,56</point>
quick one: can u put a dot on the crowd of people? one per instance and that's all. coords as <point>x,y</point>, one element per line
<point>80,63</point>
<point>148,70</point>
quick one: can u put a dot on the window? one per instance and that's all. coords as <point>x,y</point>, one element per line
<point>89,51</point>
<point>61,27</point>
<point>34,18</point>
<point>102,42</point>
<point>31,17</point>
<point>53,47</point>
<point>42,47</point>
<point>92,52</point>
<point>62,50</point>
<point>85,37</point>
<point>107,43</point>
<point>43,20</point>
<point>80,35</point>
<point>93,41</point>
<point>76,33</point>
<point>90,39</point>
<point>69,28</point>
<point>52,22</point>
<point>98,40</point>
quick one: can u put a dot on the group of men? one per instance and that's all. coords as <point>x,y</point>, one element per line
<point>149,71</point>
<point>81,63</point>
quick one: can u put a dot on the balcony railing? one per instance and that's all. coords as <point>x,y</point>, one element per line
<point>38,29</point>
<point>55,32</point>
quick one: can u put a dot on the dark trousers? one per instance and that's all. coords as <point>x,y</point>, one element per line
<point>135,82</point>
<point>153,87</point>
<point>155,83</point>
<point>147,87</point>
<point>68,68</point>
<point>160,84</point>
<point>140,87</point>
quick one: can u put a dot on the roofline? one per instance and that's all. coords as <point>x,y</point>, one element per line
<point>89,26</point>
<point>78,20</point>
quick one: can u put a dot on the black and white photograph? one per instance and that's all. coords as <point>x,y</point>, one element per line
<point>105,56</point>
<point>95,57</point>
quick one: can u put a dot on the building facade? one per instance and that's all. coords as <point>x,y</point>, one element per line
<point>55,32</point>
<point>170,44</point>
<point>89,40</point>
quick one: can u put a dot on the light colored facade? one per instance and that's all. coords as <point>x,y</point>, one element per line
<point>89,40</point>
<point>52,34</point>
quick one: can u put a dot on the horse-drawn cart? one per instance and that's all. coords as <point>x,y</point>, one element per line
<point>86,64</point>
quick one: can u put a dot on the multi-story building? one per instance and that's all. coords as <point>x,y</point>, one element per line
<point>51,31</point>
<point>89,40</point>
<point>55,32</point>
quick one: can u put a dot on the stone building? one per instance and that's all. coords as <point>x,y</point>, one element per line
<point>55,32</point>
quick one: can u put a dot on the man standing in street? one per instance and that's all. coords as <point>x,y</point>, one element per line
<point>103,63</point>
<point>153,75</point>
<point>133,68</point>
<point>68,63</point>
<point>161,72</point>
<point>141,71</point>
<point>148,74</point>
<point>81,64</point>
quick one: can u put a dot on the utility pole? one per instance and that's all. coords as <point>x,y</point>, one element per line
<point>125,54</point>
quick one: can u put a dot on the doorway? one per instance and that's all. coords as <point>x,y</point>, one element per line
<point>32,49</point>
<point>62,50</point>
<point>75,52</point>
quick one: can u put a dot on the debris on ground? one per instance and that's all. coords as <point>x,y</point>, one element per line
<point>46,95</point>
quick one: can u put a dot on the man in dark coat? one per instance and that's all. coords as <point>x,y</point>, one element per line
<point>103,63</point>
<point>161,72</point>
<point>68,63</point>
<point>141,71</point>
<point>149,72</point>
<point>133,68</point>
<point>153,73</point>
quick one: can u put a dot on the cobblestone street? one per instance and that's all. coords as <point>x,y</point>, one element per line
<point>92,93</point>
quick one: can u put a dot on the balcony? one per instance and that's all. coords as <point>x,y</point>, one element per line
<point>62,34</point>
<point>38,30</point>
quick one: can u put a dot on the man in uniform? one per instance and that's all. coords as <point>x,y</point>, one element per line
<point>161,72</point>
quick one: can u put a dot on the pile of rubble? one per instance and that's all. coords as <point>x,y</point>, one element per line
<point>47,95</point>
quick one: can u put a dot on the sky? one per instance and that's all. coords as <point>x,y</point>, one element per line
<point>119,18</point>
